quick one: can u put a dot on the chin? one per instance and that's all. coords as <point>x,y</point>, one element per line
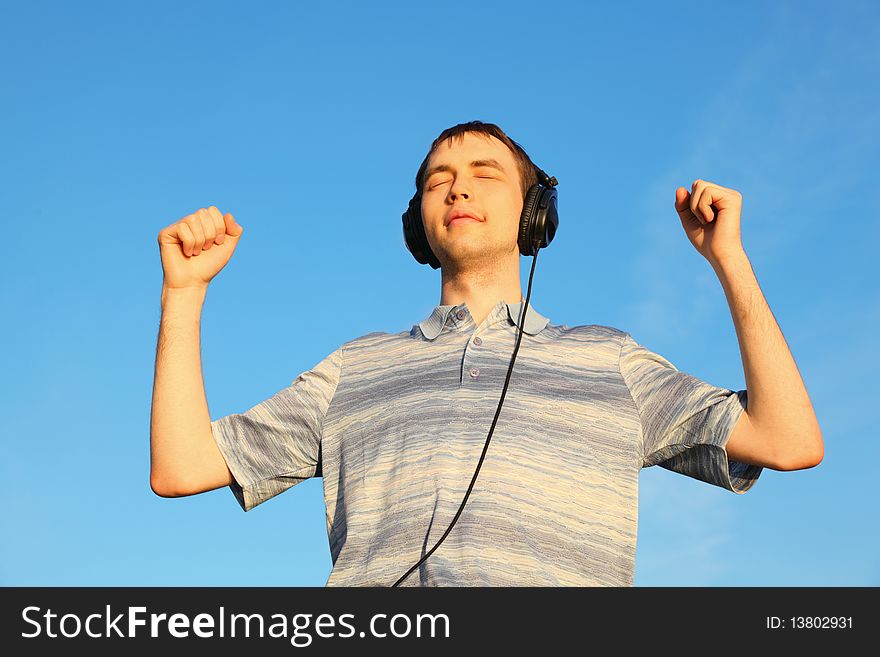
<point>473,252</point>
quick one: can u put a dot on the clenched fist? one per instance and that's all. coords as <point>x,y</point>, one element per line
<point>197,247</point>
<point>710,215</point>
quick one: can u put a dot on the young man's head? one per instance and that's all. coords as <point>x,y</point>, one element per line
<point>472,183</point>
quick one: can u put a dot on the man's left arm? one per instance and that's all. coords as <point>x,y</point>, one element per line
<point>779,428</point>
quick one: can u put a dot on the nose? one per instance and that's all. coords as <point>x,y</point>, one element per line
<point>458,189</point>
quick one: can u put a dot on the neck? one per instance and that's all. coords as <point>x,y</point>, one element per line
<point>481,288</point>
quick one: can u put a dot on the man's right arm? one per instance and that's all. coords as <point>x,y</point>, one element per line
<point>184,457</point>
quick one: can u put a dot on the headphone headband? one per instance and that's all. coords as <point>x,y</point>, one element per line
<point>547,181</point>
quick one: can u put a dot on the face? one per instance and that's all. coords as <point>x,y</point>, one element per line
<point>477,176</point>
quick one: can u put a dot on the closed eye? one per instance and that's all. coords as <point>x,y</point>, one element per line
<point>443,182</point>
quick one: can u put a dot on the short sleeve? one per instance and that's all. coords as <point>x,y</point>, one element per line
<point>686,422</point>
<point>277,443</point>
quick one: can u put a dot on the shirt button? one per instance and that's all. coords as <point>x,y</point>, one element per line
<point>460,314</point>
<point>478,341</point>
<point>475,372</point>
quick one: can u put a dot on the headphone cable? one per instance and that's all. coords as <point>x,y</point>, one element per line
<point>491,430</point>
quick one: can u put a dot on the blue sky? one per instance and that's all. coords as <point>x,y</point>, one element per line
<point>308,122</point>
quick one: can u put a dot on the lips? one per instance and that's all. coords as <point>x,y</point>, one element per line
<point>461,217</point>
<point>463,220</point>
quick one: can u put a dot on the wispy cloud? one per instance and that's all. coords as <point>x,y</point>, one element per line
<point>795,151</point>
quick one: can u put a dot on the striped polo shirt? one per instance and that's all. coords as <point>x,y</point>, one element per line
<point>395,424</point>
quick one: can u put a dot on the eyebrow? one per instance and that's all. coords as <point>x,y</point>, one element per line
<point>474,164</point>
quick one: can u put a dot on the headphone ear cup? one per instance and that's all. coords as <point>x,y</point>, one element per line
<point>539,220</point>
<point>414,234</point>
<point>526,220</point>
<point>547,220</point>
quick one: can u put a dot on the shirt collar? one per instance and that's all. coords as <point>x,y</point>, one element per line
<point>434,323</point>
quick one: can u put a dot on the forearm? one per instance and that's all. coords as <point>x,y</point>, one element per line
<point>779,407</point>
<point>180,422</point>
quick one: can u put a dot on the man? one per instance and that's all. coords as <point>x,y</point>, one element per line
<point>395,423</point>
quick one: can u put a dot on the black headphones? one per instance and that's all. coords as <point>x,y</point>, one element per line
<point>537,224</point>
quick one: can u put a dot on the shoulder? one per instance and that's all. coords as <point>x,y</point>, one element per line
<point>376,340</point>
<point>583,345</point>
<point>592,333</point>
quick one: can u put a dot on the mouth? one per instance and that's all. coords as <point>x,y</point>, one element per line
<point>462,217</point>
<point>462,220</point>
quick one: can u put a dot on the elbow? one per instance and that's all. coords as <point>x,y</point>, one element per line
<point>159,488</point>
<point>162,487</point>
<point>812,455</point>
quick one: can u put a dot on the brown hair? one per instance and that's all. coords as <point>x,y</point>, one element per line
<point>527,173</point>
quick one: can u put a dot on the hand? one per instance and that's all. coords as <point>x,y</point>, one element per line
<point>197,247</point>
<point>710,215</point>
